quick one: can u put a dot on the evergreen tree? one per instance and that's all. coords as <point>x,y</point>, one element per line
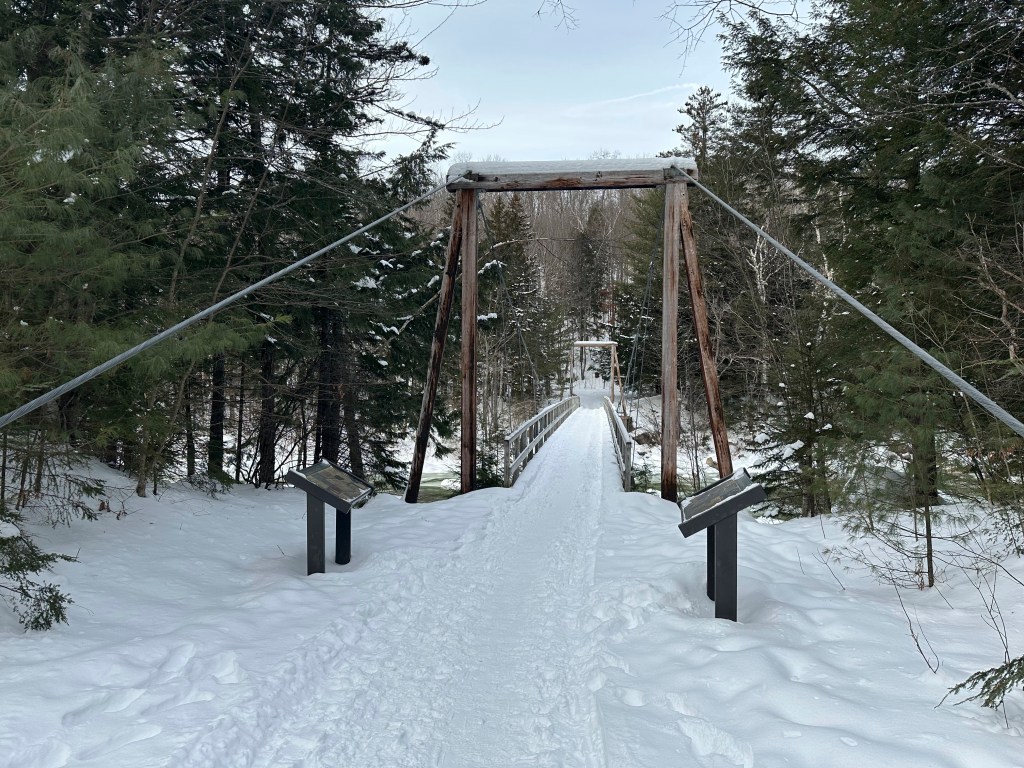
<point>904,132</point>
<point>154,163</point>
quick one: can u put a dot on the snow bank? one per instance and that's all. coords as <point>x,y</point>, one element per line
<point>560,622</point>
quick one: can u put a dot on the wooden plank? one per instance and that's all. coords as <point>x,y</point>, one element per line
<point>444,313</point>
<point>469,324</point>
<point>674,197</point>
<point>570,174</point>
<point>542,182</point>
<point>721,585</point>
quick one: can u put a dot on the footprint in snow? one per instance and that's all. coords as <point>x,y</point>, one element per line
<point>632,697</point>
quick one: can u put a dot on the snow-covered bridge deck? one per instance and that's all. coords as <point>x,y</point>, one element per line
<point>486,662</point>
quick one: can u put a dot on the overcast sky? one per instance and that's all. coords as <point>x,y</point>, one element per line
<point>613,83</point>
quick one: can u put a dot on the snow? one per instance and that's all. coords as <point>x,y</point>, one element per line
<point>561,622</point>
<point>809,415</point>
<point>9,530</point>
<point>488,316</point>
<point>792,448</point>
<point>366,282</point>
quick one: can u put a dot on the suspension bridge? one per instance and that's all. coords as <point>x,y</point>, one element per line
<point>470,180</point>
<point>486,659</point>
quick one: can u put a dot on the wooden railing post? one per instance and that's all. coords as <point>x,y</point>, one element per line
<point>508,451</point>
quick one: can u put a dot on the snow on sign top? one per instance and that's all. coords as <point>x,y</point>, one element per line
<point>569,174</point>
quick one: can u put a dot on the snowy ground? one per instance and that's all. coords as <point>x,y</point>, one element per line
<point>558,623</point>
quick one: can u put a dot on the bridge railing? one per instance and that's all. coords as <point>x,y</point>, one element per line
<point>522,443</point>
<point>623,445</point>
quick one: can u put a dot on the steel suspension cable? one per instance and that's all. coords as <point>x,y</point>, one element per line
<point>968,389</point>
<point>113,362</point>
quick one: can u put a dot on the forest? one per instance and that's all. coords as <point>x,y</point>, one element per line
<point>158,156</point>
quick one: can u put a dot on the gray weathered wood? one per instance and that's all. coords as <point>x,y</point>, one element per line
<point>469,323</point>
<point>553,175</point>
<point>674,198</point>
<point>444,313</point>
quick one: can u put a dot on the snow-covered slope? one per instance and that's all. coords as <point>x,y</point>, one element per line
<point>558,623</point>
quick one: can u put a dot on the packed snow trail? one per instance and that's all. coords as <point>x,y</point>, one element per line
<point>483,661</point>
<point>560,622</point>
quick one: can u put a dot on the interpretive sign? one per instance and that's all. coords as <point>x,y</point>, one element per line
<point>331,484</point>
<point>713,506</point>
<point>325,483</point>
<point>719,500</point>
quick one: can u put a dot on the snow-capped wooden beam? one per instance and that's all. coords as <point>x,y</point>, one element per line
<point>538,176</point>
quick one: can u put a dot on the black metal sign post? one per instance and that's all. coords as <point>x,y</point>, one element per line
<point>325,483</point>
<point>716,506</point>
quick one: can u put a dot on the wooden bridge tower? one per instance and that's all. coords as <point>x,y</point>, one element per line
<point>467,180</point>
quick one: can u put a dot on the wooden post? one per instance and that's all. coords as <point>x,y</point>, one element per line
<point>444,313</point>
<point>674,200</point>
<point>721,537</point>
<point>469,323</point>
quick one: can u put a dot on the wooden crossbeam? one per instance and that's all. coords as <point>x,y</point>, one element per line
<point>540,176</point>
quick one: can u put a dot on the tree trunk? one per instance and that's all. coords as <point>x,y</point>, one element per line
<point>925,477</point>
<point>190,434</point>
<point>805,462</point>
<point>218,403</point>
<point>328,401</point>
<point>350,404</point>
<point>3,474</point>
<point>266,442</point>
<point>928,545</point>
<point>143,466</point>
<point>240,422</point>
<point>821,479</point>
<point>926,466</point>
<point>355,449</point>
<point>67,412</point>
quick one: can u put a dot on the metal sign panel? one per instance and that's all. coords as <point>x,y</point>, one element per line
<point>331,484</point>
<point>720,500</point>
